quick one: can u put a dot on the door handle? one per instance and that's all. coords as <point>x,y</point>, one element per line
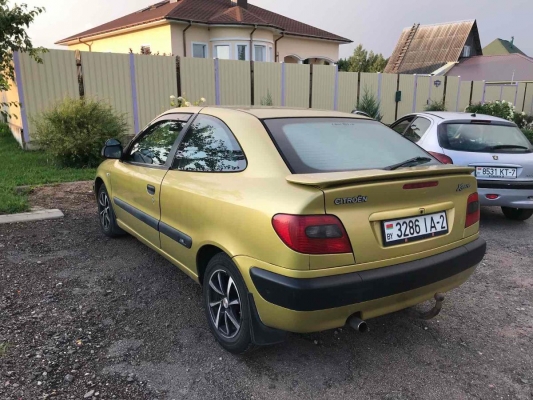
<point>150,189</point>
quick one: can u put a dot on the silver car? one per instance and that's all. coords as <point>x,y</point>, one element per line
<point>500,153</point>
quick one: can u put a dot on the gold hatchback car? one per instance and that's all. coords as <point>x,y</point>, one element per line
<point>292,220</point>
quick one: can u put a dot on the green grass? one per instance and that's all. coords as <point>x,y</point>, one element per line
<point>21,168</point>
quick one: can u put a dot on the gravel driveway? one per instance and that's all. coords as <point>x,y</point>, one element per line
<point>82,316</point>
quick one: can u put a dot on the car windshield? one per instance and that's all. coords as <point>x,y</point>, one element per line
<point>483,138</point>
<point>311,145</point>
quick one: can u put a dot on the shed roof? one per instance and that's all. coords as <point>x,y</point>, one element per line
<point>502,68</point>
<point>423,49</point>
<point>210,12</point>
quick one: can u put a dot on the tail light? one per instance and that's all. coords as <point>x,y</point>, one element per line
<point>472,210</point>
<point>312,234</point>
<point>443,158</point>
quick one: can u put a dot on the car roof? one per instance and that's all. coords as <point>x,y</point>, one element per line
<point>448,115</point>
<point>274,112</point>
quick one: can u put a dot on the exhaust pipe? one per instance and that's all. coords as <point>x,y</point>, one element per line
<point>358,324</point>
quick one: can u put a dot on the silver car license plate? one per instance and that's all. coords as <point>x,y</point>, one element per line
<point>496,172</point>
<point>408,230</point>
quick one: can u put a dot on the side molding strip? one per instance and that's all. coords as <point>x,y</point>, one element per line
<point>154,223</point>
<point>141,216</point>
<point>176,235</point>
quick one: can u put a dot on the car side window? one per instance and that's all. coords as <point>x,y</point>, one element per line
<point>209,146</point>
<point>154,146</point>
<point>401,126</point>
<point>417,129</point>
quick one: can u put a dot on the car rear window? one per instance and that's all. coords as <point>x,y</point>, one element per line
<point>311,145</point>
<point>487,138</point>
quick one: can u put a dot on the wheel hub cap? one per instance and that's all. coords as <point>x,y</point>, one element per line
<point>224,304</point>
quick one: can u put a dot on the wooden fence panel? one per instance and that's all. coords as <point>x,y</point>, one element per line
<point>520,97</point>
<point>107,77</point>
<point>422,93</point>
<point>452,93</point>
<point>156,81</point>
<point>347,91</point>
<point>477,92</point>
<point>198,79</point>
<point>297,85</point>
<point>47,83</point>
<point>323,87</point>
<point>389,83</point>
<point>235,83</point>
<point>407,87</point>
<point>464,95</point>
<point>267,79</point>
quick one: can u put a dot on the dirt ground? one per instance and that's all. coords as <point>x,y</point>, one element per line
<point>83,316</point>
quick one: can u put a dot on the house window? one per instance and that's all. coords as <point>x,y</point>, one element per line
<point>271,54</point>
<point>259,53</point>
<point>199,50</point>
<point>222,51</point>
<point>242,52</point>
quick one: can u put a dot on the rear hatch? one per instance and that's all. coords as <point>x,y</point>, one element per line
<point>389,214</point>
<point>496,149</point>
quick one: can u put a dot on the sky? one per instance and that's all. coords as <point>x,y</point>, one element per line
<point>377,24</point>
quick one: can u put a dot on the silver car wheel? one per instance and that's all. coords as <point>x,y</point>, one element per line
<point>104,210</point>
<point>224,304</point>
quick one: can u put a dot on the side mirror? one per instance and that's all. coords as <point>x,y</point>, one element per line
<point>112,150</point>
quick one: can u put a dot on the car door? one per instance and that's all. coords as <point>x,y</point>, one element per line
<point>136,180</point>
<point>207,158</point>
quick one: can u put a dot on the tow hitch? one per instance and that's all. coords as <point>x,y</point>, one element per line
<point>439,298</point>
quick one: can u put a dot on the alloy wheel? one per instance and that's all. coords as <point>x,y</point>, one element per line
<point>224,304</point>
<point>104,210</point>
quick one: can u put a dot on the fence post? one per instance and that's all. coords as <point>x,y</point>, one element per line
<point>358,89</point>
<point>414,93</point>
<point>396,99</point>
<point>134,94</point>
<point>525,94</point>
<point>252,80</point>
<point>484,88</point>
<point>25,137</point>
<point>380,81</point>
<point>458,95</point>
<point>444,90</point>
<point>217,82</point>
<point>283,75</point>
<point>515,94</point>
<point>310,85</point>
<point>471,93</point>
<point>336,95</point>
<point>178,74</point>
<point>430,89</point>
<point>501,92</point>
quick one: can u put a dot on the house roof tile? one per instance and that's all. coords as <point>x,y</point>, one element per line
<point>209,12</point>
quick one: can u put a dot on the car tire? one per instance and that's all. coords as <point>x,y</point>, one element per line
<point>226,305</point>
<point>517,214</point>
<point>106,214</point>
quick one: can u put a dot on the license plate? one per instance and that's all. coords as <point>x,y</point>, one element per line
<point>408,230</point>
<point>496,172</point>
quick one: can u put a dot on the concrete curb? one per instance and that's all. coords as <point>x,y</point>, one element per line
<point>39,215</point>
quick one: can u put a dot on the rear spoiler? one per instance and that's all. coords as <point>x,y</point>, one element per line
<point>330,179</point>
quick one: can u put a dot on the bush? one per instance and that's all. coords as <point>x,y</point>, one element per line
<point>529,134</point>
<point>501,109</point>
<point>4,128</point>
<point>370,104</point>
<point>74,131</point>
<point>267,100</point>
<point>435,106</point>
<point>523,121</point>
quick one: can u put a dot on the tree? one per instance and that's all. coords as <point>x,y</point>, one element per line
<point>13,37</point>
<point>363,61</point>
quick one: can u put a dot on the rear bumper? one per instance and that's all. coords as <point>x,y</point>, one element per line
<point>515,195</point>
<point>329,292</point>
